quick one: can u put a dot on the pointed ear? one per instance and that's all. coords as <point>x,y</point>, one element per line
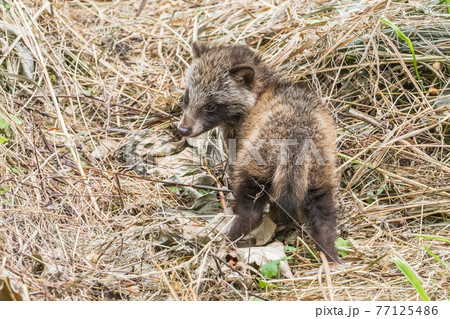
<point>243,74</point>
<point>198,49</point>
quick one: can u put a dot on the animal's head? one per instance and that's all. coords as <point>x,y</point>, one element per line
<point>220,86</point>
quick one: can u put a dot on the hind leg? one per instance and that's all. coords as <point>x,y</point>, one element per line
<point>250,201</point>
<point>320,211</point>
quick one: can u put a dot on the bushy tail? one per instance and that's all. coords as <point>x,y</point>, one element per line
<point>289,188</point>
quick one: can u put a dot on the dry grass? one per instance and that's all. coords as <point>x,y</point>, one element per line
<point>75,73</point>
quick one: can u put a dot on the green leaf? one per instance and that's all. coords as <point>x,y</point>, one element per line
<point>3,140</point>
<point>52,78</point>
<point>381,189</point>
<point>256,299</point>
<point>17,170</point>
<point>343,246</point>
<point>3,124</point>
<point>402,36</point>
<point>6,5</point>
<point>270,269</point>
<point>264,284</point>
<point>372,197</point>
<point>289,249</point>
<point>412,277</point>
<point>16,119</point>
<point>4,189</point>
<point>173,188</point>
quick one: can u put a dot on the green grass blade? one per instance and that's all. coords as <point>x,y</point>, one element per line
<point>448,5</point>
<point>433,237</point>
<point>402,36</point>
<point>309,249</point>
<point>412,277</point>
<point>436,257</point>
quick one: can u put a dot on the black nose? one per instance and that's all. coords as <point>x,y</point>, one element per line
<point>185,131</point>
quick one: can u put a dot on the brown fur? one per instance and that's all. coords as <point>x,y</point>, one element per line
<point>229,87</point>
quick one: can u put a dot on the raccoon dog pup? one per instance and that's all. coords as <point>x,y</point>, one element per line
<point>284,138</point>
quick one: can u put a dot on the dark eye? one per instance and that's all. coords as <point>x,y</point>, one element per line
<point>211,107</point>
<point>186,100</point>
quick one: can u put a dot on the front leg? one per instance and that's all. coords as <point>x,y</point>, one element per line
<point>251,199</point>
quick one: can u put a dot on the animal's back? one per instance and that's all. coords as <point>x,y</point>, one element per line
<point>292,133</point>
<point>284,118</point>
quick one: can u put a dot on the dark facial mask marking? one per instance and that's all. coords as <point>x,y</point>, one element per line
<point>186,100</point>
